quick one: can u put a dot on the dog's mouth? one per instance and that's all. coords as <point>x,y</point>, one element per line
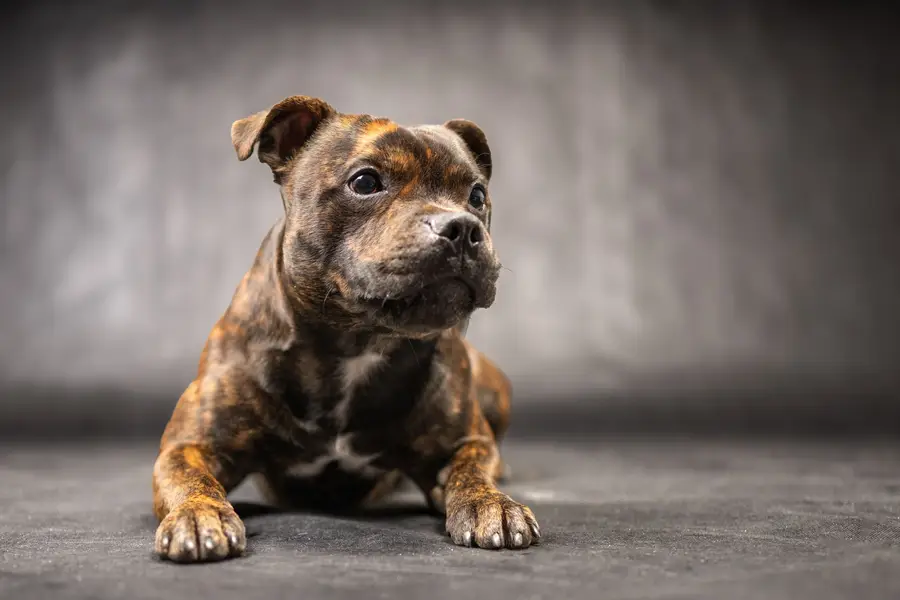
<point>438,304</point>
<point>448,291</point>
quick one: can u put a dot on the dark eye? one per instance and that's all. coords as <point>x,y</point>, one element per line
<point>365,183</point>
<point>476,198</point>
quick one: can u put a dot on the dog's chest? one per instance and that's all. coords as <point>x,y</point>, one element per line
<point>328,440</point>
<point>354,374</point>
<point>366,399</point>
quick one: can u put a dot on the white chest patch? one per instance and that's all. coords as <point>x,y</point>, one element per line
<point>339,450</point>
<point>354,372</point>
<point>357,370</point>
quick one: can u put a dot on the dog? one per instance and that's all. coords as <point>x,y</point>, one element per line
<point>340,367</point>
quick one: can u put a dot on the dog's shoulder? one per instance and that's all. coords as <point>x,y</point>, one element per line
<point>255,317</point>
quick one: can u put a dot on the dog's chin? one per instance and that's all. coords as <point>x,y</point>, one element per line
<point>424,310</point>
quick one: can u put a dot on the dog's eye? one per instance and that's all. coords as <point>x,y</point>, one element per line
<point>476,197</point>
<point>365,183</point>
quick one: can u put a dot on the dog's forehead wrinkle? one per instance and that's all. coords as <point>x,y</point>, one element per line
<point>441,204</point>
<point>400,144</point>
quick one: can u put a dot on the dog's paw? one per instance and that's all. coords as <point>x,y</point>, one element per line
<point>201,531</point>
<point>491,520</point>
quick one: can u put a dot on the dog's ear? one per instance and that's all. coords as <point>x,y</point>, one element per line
<point>279,131</point>
<point>475,141</point>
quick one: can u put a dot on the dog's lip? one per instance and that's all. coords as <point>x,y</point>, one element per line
<point>413,294</point>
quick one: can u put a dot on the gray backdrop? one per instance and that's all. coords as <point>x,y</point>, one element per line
<point>688,195</point>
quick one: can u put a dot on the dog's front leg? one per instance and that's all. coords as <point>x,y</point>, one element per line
<point>204,454</point>
<point>477,512</point>
<point>197,523</point>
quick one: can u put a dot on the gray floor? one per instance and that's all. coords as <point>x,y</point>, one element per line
<point>622,519</point>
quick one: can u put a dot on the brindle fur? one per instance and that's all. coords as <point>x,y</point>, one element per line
<point>272,390</point>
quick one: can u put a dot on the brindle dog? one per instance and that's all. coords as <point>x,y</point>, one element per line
<point>340,367</point>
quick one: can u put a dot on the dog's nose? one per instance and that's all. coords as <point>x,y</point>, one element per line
<point>461,229</point>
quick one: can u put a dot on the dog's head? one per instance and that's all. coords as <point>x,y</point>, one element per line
<point>387,226</point>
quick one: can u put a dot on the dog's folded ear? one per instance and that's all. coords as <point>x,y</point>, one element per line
<point>475,141</point>
<point>279,131</point>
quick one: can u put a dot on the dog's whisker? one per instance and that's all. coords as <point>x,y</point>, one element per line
<point>413,348</point>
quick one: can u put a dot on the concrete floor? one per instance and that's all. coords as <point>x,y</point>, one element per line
<point>621,519</point>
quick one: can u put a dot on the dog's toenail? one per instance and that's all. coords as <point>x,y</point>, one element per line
<point>517,539</point>
<point>165,541</point>
<point>467,538</point>
<point>498,541</point>
<point>209,543</point>
<point>189,545</point>
<point>233,539</point>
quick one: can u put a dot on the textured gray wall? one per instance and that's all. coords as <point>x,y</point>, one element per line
<point>690,189</point>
